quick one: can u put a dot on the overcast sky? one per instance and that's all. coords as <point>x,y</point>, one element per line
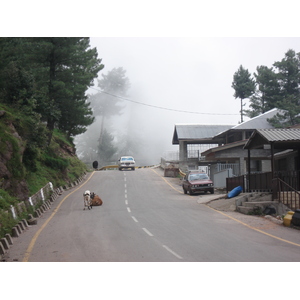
<point>187,74</point>
<point>178,55</point>
<point>190,74</point>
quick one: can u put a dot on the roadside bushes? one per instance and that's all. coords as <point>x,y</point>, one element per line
<point>6,200</point>
<point>57,163</point>
<point>7,222</point>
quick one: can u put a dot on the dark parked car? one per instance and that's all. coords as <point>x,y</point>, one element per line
<point>197,181</point>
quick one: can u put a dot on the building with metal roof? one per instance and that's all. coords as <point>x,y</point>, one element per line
<point>197,133</point>
<point>281,138</point>
<point>244,130</point>
<point>228,145</point>
<point>193,139</point>
<point>283,147</point>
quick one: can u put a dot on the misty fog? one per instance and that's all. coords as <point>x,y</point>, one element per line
<point>190,77</point>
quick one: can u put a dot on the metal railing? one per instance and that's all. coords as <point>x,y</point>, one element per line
<point>232,182</point>
<point>256,182</point>
<point>285,194</point>
<point>284,187</point>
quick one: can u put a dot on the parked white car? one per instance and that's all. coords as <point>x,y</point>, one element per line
<point>126,162</point>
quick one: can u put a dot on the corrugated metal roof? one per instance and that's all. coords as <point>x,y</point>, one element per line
<point>259,122</point>
<point>198,131</point>
<point>280,135</point>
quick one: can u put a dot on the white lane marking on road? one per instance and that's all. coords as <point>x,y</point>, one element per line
<point>125,195</point>
<point>126,202</point>
<point>134,219</point>
<point>125,191</point>
<point>125,185</point>
<point>148,232</point>
<point>128,209</point>
<point>171,251</point>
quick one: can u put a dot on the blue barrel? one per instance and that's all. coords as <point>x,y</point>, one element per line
<point>236,191</point>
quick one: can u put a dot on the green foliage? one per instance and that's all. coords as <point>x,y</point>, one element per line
<point>278,87</point>
<point>7,222</point>
<point>50,76</point>
<point>10,145</point>
<point>6,200</point>
<point>56,163</point>
<point>17,85</point>
<point>267,93</point>
<point>42,93</point>
<point>106,148</point>
<point>243,85</point>
<point>289,115</point>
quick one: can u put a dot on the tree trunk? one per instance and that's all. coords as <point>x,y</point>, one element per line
<point>241,110</point>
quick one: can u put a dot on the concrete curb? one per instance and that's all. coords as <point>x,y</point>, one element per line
<point>7,241</point>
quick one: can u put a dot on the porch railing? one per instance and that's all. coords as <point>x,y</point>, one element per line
<point>284,187</point>
<point>285,194</point>
<point>257,182</point>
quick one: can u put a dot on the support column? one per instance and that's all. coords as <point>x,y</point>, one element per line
<point>182,151</point>
<point>249,171</point>
<point>272,160</point>
<point>183,155</point>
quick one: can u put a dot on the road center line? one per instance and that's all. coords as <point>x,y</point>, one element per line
<point>171,251</point>
<point>126,202</point>
<point>148,232</point>
<point>134,219</point>
<point>128,209</point>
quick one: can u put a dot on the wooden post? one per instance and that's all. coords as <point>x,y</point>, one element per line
<point>248,167</point>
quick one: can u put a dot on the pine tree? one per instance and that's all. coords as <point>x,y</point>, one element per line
<point>288,76</point>
<point>267,93</point>
<point>243,85</point>
<point>64,68</point>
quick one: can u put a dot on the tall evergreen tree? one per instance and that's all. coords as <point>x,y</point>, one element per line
<point>243,85</point>
<point>106,148</point>
<point>278,86</point>
<point>288,76</point>
<point>64,68</point>
<point>266,94</point>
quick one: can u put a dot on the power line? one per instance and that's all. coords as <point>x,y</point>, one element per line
<point>164,108</point>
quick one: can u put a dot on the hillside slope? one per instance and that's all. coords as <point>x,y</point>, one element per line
<point>25,166</point>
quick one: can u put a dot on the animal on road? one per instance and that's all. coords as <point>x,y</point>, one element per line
<point>96,200</point>
<point>87,200</point>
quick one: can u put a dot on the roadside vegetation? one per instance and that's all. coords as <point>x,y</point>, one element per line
<point>43,106</point>
<point>271,87</point>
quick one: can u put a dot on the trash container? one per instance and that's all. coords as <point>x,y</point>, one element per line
<point>296,218</point>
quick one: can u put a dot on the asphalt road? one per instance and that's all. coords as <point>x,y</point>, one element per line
<point>144,218</point>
